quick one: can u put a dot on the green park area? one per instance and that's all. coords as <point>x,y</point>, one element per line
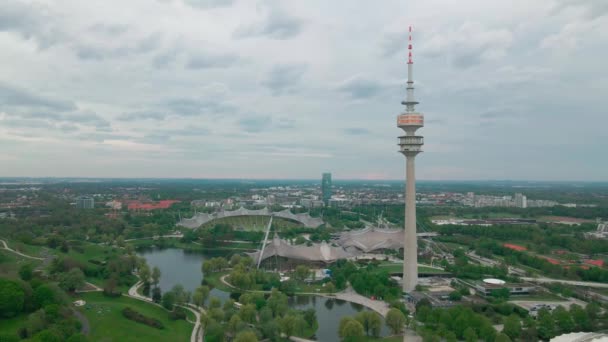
<point>398,268</point>
<point>11,262</point>
<point>107,322</point>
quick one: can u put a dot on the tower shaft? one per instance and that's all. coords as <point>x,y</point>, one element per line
<point>410,252</point>
<point>410,145</point>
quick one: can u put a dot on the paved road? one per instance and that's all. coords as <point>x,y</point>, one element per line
<point>567,282</point>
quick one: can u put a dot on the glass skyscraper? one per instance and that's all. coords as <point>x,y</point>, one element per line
<point>326,187</point>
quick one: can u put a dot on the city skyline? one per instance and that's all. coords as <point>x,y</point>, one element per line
<point>110,92</point>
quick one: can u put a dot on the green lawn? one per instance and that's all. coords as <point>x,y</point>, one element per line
<point>11,262</point>
<point>11,325</point>
<point>109,325</point>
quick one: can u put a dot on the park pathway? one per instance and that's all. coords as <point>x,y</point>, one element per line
<point>197,331</point>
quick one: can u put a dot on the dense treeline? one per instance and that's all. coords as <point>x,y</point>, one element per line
<point>368,281</point>
<point>512,257</point>
<point>541,238</point>
<point>140,318</point>
<point>49,316</point>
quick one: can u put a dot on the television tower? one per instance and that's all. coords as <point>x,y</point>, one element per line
<point>410,145</point>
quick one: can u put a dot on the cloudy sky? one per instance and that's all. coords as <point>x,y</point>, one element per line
<point>289,89</point>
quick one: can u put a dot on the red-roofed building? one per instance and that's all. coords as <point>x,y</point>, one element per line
<point>598,263</point>
<point>137,205</point>
<point>515,247</point>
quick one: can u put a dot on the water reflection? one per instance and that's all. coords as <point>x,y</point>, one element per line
<point>180,267</point>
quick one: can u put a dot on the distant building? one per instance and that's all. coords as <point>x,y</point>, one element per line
<point>326,187</point>
<point>85,202</point>
<point>521,201</point>
<point>487,286</point>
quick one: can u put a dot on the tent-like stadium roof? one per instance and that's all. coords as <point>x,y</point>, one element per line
<point>371,239</point>
<point>317,252</point>
<point>201,218</point>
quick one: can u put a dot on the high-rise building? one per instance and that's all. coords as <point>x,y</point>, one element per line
<point>410,145</point>
<point>326,188</point>
<point>85,202</point>
<point>521,201</point>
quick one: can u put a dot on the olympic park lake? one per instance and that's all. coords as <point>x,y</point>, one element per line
<point>182,267</point>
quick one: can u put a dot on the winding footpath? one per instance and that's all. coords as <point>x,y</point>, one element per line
<point>197,331</point>
<point>6,247</point>
<point>348,295</point>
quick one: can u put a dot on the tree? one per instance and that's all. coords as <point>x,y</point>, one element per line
<point>293,325</point>
<point>144,273</point>
<point>12,298</point>
<point>214,332</point>
<point>26,271</point>
<point>302,272</point>
<point>352,330</point>
<point>455,296</point>
<point>157,295</point>
<point>246,336</point>
<point>470,335</point>
<point>370,321</point>
<point>233,324</point>
<point>248,313</point>
<point>310,316</point>
<point>72,280</point>
<point>512,327</point>
<point>200,295</point>
<point>330,287</point>
<point>546,325</point>
<point>277,302</point>
<point>155,275</point>
<point>395,320</point>
<point>580,318</point>
<point>43,295</point>
<point>502,338</point>
<point>168,300</point>
<point>563,320</point>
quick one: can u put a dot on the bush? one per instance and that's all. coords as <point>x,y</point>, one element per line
<point>178,313</point>
<point>138,317</point>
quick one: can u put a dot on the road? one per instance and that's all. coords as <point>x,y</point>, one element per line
<point>566,282</point>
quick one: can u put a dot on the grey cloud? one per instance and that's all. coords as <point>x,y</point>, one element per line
<point>163,60</point>
<point>393,43</point>
<point>255,124</point>
<point>206,61</point>
<point>360,87</point>
<point>286,123</point>
<point>68,128</point>
<point>357,131</point>
<point>276,25</point>
<point>98,52</point>
<point>467,60</point>
<point>26,123</point>
<point>154,139</point>
<point>87,118</point>
<point>191,107</point>
<point>143,115</point>
<point>111,30</point>
<point>209,4</point>
<point>16,97</point>
<point>283,79</point>
<point>31,21</point>
<point>593,8</point>
<point>188,131</point>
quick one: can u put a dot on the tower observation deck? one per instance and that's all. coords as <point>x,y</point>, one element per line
<point>410,145</point>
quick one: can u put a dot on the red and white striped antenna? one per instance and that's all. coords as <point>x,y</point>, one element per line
<point>410,60</point>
